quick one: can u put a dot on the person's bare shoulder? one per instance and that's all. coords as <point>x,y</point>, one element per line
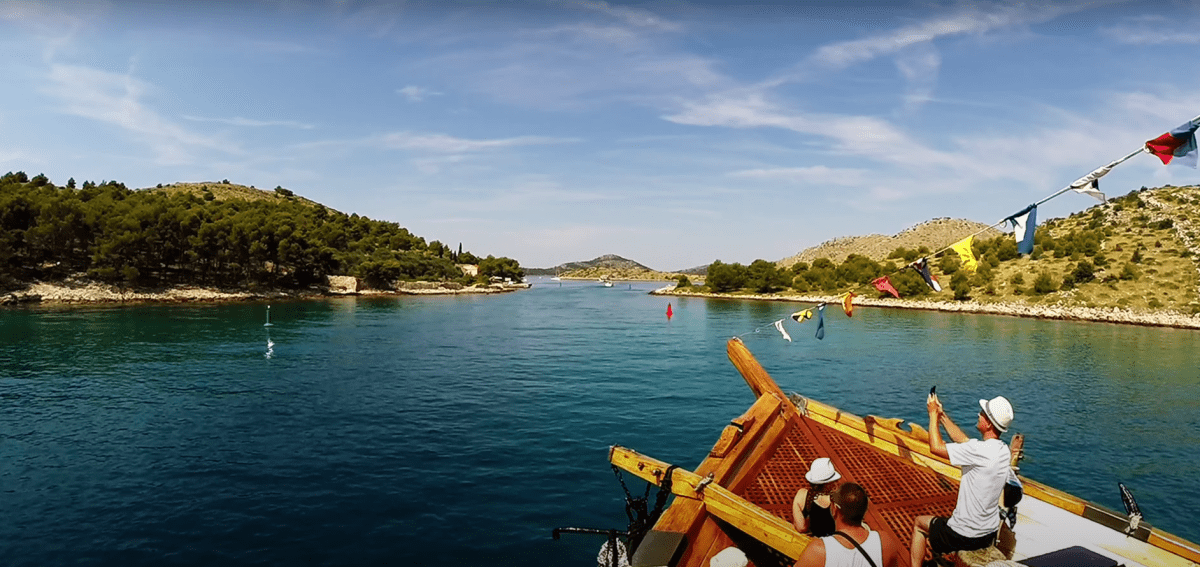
<point>813,554</point>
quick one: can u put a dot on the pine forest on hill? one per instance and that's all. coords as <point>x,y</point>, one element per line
<point>218,234</point>
<point>1137,251</point>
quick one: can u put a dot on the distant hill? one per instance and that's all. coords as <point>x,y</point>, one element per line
<point>934,234</point>
<point>224,190</point>
<point>607,261</point>
<point>608,266</point>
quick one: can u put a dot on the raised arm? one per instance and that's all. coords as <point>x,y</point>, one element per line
<point>936,445</point>
<point>956,434</point>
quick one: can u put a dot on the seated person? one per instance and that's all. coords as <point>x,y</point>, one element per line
<point>853,544</point>
<point>810,507</point>
<point>985,471</point>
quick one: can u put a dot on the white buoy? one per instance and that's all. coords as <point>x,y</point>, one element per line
<point>268,323</point>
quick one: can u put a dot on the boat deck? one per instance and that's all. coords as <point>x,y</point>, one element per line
<point>899,490</point>
<point>741,494</point>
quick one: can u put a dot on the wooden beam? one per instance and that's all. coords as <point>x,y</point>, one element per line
<point>717,500</point>
<point>752,372</point>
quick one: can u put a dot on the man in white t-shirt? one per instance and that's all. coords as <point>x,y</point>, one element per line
<point>985,470</point>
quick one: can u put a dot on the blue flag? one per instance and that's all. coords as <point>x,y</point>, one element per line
<point>1024,223</point>
<point>821,322</point>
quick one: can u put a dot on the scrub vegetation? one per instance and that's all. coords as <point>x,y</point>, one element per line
<point>1136,251</point>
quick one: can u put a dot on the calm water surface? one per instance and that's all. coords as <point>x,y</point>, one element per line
<point>461,430</point>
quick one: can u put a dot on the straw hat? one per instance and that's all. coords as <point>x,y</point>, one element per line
<point>821,472</point>
<point>998,411</point>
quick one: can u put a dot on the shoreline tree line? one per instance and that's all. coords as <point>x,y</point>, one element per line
<point>156,237</point>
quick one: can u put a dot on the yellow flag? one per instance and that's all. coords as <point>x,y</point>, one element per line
<point>963,247</point>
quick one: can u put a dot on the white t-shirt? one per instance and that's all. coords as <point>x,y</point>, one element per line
<point>985,469</point>
<point>838,556</point>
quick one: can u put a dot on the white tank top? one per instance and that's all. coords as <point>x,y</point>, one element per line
<point>838,556</point>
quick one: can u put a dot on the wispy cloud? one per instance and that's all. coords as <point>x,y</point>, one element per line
<point>866,136</point>
<point>978,18</point>
<point>913,47</point>
<point>634,17</point>
<point>50,16</point>
<point>239,121</point>
<point>1154,30</point>
<point>581,62</point>
<point>416,94</point>
<point>117,99</point>
<point>443,143</point>
<point>284,47</point>
<point>815,175</point>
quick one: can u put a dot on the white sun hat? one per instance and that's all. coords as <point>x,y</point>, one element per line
<point>729,557</point>
<point>822,472</point>
<point>998,411</point>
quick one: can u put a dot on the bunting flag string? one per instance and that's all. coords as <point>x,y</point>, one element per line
<point>1176,147</point>
<point>1090,184</point>
<point>884,285</point>
<point>1024,224</point>
<point>821,322</point>
<point>922,267</point>
<point>963,247</point>
<point>782,331</point>
<point>802,315</point>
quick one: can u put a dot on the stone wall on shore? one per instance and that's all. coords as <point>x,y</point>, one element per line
<point>1099,314</point>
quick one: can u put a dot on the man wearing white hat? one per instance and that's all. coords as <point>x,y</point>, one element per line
<point>985,470</point>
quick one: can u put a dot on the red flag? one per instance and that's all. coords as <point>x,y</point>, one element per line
<point>1178,143</point>
<point>669,313</point>
<point>885,285</point>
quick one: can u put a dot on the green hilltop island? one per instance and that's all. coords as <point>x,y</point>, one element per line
<point>1131,259</point>
<point>212,241</point>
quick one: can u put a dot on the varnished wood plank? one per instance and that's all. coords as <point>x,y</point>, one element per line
<point>760,416</point>
<point>710,539</point>
<point>757,456</point>
<point>756,377</point>
<point>718,501</point>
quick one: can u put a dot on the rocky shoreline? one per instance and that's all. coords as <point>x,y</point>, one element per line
<point>77,292</point>
<point>1091,314</point>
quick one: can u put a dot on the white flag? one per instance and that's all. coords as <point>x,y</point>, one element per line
<point>1090,183</point>
<point>779,325</point>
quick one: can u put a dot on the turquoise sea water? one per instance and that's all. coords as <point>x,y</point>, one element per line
<point>461,430</point>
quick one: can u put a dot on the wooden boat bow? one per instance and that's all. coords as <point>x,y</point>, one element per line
<point>741,494</point>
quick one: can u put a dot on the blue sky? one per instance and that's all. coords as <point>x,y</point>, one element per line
<point>671,133</point>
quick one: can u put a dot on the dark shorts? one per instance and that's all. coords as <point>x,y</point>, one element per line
<point>942,539</point>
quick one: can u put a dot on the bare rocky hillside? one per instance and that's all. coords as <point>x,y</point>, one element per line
<point>934,234</point>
